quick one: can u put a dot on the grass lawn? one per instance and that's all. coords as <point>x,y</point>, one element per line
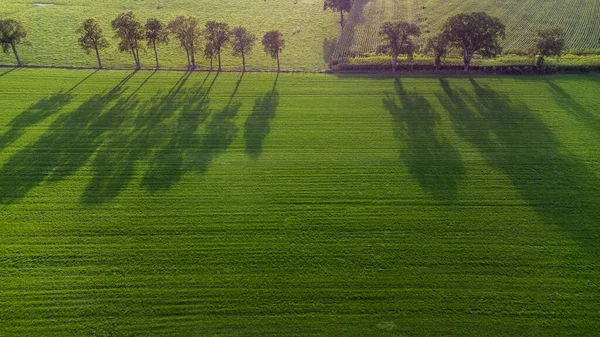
<point>169,203</point>
<point>52,31</point>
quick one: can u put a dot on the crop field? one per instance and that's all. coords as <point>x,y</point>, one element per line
<point>52,30</point>
<point>578,18</point>
<point>172,203</point>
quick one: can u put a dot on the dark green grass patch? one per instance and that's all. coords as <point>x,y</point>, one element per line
<point>158,203</point>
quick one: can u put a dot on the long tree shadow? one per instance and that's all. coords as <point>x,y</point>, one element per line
<point>115,162</point>
<point>557,185</point>
<point>429,156</point>
<point>67,145</point>
<point>10,70</point>
<point>35,114</point>
<point>257,125</point>
<point>168,163</point>
<point>38,112</point>
<point>567,103</point>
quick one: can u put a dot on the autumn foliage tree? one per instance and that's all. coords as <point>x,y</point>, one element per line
<point>129,31</point>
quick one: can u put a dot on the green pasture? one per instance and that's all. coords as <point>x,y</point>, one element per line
<point>53,37</point>
<point>169,203</point>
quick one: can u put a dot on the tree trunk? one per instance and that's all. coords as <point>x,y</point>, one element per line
<point>137,57</point>
<point>16,54</point>
<point>540,63</point>
<point>278,67</point>
<point>193,58</point>
<point>187,54</point>
<point>137,65</point>
<point>438,63</point>
<point>395,62</point>
<point>98,58</point>
<point>467,59</point>
<point>211,63</point>
<point>342,18</point>
<point>155,55</point>
<point>219,59</point>
<point>243,62</point>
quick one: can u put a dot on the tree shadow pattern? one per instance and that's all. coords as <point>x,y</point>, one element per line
<point>102,133</point>
<point>429,155</point>
<point>257,125</point>
<point>557,185</point>
<point>567,103</point>
<point>69,143</point>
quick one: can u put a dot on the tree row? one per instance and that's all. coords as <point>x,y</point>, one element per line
<point>133,36</point>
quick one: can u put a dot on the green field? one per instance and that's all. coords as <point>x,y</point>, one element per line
<point>170,203</point>
<point>578,19</point>
<point>54,40</point>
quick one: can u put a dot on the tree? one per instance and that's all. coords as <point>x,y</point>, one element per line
<point>439,46</point>
<point>242,44</point>
<point>397,37</point>
<point>217,34</point>
<point>209,53</point>
<point>338,6</point>
<point>475,33</point>
<point>273,42</point>
<point>129,29</point>
<point>12,32</point>
<point>188,32</point>
<point>548,43</point>
<point>92,38</point>
<point>156,33</point>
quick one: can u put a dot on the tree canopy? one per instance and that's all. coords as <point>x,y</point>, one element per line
<point>397,38</point>
<point>217,34</point>
<point>12,32</point>
<point>274,43</point>
<point>475,33</point>
<point>156,33</point>
<point>131,34</point>
<point>187,30</point>
<point>242,43</point>
<point>440,47</point>
<point>92,38</point>
<point>338,6</point>
<point>549,42</point>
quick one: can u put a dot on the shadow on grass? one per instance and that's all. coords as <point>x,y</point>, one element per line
<point>10,70</point>
<point>429,156</point>
<point>257,125</point>
<point>37,113</point>
<point>557,185</point>
<point>69,143</point>
<point>567,103</point>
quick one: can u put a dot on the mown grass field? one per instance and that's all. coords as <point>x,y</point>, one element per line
<point>52,31</point>
<point>301,204</point>
<point>577,18</point>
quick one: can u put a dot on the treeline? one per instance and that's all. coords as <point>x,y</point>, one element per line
<point>133,36</point>
<point>471,34</point>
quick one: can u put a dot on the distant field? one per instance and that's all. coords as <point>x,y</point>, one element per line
<point>54,41</point>
<point>578,18</point>
<point>304,204</point>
